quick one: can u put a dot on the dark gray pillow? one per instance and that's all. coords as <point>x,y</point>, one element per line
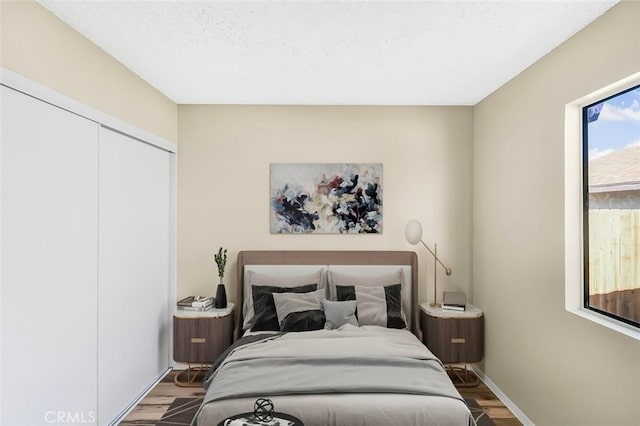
<point>339,313</point>
<point>266,318</point>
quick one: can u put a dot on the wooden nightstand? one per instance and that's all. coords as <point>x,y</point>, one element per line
<point>455,337</point>
<point>198,339</point>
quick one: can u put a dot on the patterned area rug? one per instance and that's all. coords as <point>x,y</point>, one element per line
<point>183,410</point>
<point>479,415</point>
<point>180,412</point>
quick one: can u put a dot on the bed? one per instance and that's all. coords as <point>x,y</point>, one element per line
<point>331,338</point>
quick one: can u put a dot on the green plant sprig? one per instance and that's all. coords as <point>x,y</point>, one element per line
<point>221,261</point>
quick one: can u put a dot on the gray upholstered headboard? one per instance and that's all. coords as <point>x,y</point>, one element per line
<point>267,257</point>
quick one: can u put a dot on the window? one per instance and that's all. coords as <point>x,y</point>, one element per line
<point>611,206</point>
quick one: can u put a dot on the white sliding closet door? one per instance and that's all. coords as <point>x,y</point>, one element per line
<point>133,280</point>
<point>49,263</point>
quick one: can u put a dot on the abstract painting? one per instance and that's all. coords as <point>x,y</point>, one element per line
<point>326,198</point>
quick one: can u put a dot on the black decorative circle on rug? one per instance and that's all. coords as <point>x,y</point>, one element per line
<point>263,409</point>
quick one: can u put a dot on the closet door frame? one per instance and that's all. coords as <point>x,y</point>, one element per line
<point>43,93</point>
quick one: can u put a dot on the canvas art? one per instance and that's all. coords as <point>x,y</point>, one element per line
<point>326,198</point>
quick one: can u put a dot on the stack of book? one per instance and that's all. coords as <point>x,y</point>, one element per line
<point>454,301</point>
<point>196,303</point>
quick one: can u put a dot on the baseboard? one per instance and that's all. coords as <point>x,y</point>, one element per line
<point>505,400</point>
<point>126,410</point>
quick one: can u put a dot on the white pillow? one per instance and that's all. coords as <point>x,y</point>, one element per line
<point>379,305</point>
<point>254,278</point>
<point>381,280</point>
<point>338,278</point>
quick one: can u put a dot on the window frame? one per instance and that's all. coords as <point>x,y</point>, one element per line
<point>585,203</point>
<point>574,209</point>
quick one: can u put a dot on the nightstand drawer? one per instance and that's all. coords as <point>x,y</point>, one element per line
<point>454,340</point>
<point>201,340</point>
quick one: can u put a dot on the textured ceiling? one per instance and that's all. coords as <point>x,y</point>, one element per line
<point>331,53</point>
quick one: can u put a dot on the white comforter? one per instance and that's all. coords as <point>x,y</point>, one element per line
<point>236,385</point>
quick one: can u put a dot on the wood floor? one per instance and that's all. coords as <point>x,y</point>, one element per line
<point>150,410</point>
<point>154,405</point>
<point>490,403</point>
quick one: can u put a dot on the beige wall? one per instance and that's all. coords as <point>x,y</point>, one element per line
<point>39,46</point>
<point>558,368</point>
<point>223,181</point>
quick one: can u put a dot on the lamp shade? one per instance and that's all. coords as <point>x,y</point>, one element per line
<point>413,232</point>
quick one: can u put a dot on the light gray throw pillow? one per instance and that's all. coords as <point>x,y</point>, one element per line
<point>299,312</point>
<point>288,303</point>
<point>339,313</point>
